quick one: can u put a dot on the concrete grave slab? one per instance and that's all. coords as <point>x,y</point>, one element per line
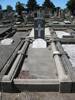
<point>70,49</point>
<point>41,64</point>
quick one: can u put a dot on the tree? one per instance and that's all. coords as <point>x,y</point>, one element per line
<point>32,5</point>
<point>19,8</point>
<point>48,4</point>
<point>71,6</point>
<point>0,7</point>
<point>1,15</point>
<point>57,9</point>
<point>9,8</point>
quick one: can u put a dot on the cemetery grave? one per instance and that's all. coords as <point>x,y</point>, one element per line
<point>39,58</point>
<point>37,54</point>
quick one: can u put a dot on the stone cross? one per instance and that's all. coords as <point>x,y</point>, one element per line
<point>39,27</point>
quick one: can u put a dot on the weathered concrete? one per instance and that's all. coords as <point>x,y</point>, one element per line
<point>41,64</point>
<point>38,96</point>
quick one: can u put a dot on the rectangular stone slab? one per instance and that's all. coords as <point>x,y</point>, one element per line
<point>40,64</point>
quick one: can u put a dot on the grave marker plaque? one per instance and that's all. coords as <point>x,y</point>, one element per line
<point>39,26</point>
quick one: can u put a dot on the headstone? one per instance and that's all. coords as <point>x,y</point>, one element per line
<point>39,31</point>
<point>39,26</point>
<point>67,22</point>
<point>17,23</point>
<point>7,41</point>
<point>58,12</point>
<point>55,22</point>
<point>60,34</point>
<point>62,14</point>
<point>39,43</point>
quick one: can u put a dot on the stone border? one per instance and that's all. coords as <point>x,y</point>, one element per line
<point>37,84</point>
<point>64,78</point>
<point>6,67</point>
<point>9,77</point>
<point>67,66</point>
<point>62,26</point>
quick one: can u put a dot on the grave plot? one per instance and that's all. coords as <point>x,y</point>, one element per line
<point>34,69</point>
<point>23,27</point>
<point>67,40</point>
<point>9,48</point>
<point>60,24</point>
<point>68,61</point>
<point>70,49</point>
<point>37,72</point>
<point>37,69</point>
<point>25,24</point>
<point>39,64</point>
<point>64,34</point>
<point>66,47</point>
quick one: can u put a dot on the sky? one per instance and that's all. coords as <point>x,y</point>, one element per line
<point>60,3</point>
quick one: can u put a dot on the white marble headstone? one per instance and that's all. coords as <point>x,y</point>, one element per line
<point>60,34</point>
<point>67,22</point>
<point>7,41</point>
<point>39,43</point>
